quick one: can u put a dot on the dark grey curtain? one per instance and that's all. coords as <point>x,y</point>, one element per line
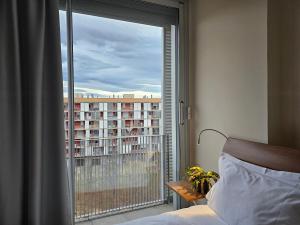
<point>33,178</point>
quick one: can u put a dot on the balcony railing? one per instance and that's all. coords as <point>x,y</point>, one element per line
<point>127,108</point>
<point>119,174</point>
<point>154,115</point>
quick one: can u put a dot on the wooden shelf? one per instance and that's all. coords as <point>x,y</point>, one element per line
<point>185,190</point>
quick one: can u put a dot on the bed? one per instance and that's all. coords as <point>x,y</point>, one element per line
<point>259,185</point>
<point>200,214</point>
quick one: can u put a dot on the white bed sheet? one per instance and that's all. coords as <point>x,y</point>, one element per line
<point>195,215</point>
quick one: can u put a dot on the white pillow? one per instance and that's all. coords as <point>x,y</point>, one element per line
<point>283,176</point>
<point>286,177</point>
<point>247,196</point>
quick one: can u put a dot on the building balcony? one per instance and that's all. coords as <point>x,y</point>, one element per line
<point>79,125</point>
<point>120,175</point>
<point>132,131</point>
<point>94,127</point>
<point>94,136</point>
<point>112,133</point>
<point>127,115</point>
<point>138,124</point>
<point>130,141</point>
<point>112,124</point>
<point>112,118</point>
<point>155,123</point>
<point>112,107</point>
<point>127,108</point>
<point>78,146</point>
<point>79,134</point>
<point>155,131</point>
<point>94,107</point>
<point>79,137</point>
<point>92,118</point>
<point>154,115</point>
<point>127,124</point>
<point>131,215</point>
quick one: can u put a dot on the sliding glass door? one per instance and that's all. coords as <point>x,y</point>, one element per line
<point>122,135</point>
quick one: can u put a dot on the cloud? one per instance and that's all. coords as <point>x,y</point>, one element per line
<point>108,94</point>
<point>114,56</point>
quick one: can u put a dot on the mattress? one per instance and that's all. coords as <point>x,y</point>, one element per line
<point>195,215</point>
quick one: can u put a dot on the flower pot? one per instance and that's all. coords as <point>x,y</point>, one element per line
<point>203,187</point>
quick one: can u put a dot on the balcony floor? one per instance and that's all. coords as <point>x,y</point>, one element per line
<point>124,217</point>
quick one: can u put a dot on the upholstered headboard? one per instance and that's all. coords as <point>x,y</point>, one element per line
<point>272,157</point>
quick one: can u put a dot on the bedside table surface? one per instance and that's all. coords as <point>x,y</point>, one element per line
<point>185,190</point>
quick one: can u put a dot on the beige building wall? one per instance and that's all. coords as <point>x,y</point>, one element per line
<point>228,68</point>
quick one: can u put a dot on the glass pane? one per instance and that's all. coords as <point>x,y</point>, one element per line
<point>63,37</point>
<point>118,114</point>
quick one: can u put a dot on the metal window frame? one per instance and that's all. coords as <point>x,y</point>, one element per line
<point>70,62</point>
<point>183,145</point>
<point>181,80</point>
<point>138,11</point>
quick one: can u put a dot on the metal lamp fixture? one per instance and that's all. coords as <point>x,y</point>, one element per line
<point>213,130</point>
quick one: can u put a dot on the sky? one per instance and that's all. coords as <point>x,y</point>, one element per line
<point>113,57</point>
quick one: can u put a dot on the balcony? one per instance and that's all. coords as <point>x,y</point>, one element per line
<point>155,123</point>
<point>76,108</point>
<point>132,123</point>
<point>79,144</point>
<point>66,116</point>
<point>155,131</point>
<point>112,124</point>
<point>112,116</point>
<point>127,123</point>
<point>112,107</point>
<point>79,134</point>
<point>138,123</point>
<point>94,134</point>
<point>154,106</point>
<point>128,216</point>
<point>127,107</point>
<point>154,115</point>
<point>127,115</point>
<point>129,131</point>
<point>79,125</point>
<point>119,175</point>
<point>130,140</point>
<point>94,106</point>
<point>112,132</point>
<point>94,125</point>
<point>76,116</point>
<point>92,116</point>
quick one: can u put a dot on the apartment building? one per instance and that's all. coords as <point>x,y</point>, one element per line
<point>103,126</point>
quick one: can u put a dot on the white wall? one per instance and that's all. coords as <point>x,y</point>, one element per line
<point>228,68</point>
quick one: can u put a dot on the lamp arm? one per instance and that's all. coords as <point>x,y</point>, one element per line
<point>214,130</point>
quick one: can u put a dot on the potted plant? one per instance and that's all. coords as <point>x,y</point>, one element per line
<point>201,180</point>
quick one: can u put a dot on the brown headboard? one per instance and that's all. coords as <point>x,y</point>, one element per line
<point>272,157</point>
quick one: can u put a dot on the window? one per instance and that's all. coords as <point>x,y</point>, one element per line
<point>124,85</point>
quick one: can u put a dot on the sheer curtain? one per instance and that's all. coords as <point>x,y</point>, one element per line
<point>33,175</point>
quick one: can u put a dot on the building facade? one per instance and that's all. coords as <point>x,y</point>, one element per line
<point>104,126</point>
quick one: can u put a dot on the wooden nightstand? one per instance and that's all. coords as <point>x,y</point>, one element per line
<point>185,190</point>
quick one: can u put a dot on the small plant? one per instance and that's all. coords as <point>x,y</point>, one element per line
<point>201,180</point>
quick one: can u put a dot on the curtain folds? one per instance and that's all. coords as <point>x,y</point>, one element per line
<point>33,175</point>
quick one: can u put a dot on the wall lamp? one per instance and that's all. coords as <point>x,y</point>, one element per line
<point>213,130</point>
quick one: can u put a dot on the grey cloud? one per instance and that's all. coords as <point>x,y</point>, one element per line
<point>113,55</point>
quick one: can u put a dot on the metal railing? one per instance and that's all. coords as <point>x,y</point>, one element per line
<point>119,174</point>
